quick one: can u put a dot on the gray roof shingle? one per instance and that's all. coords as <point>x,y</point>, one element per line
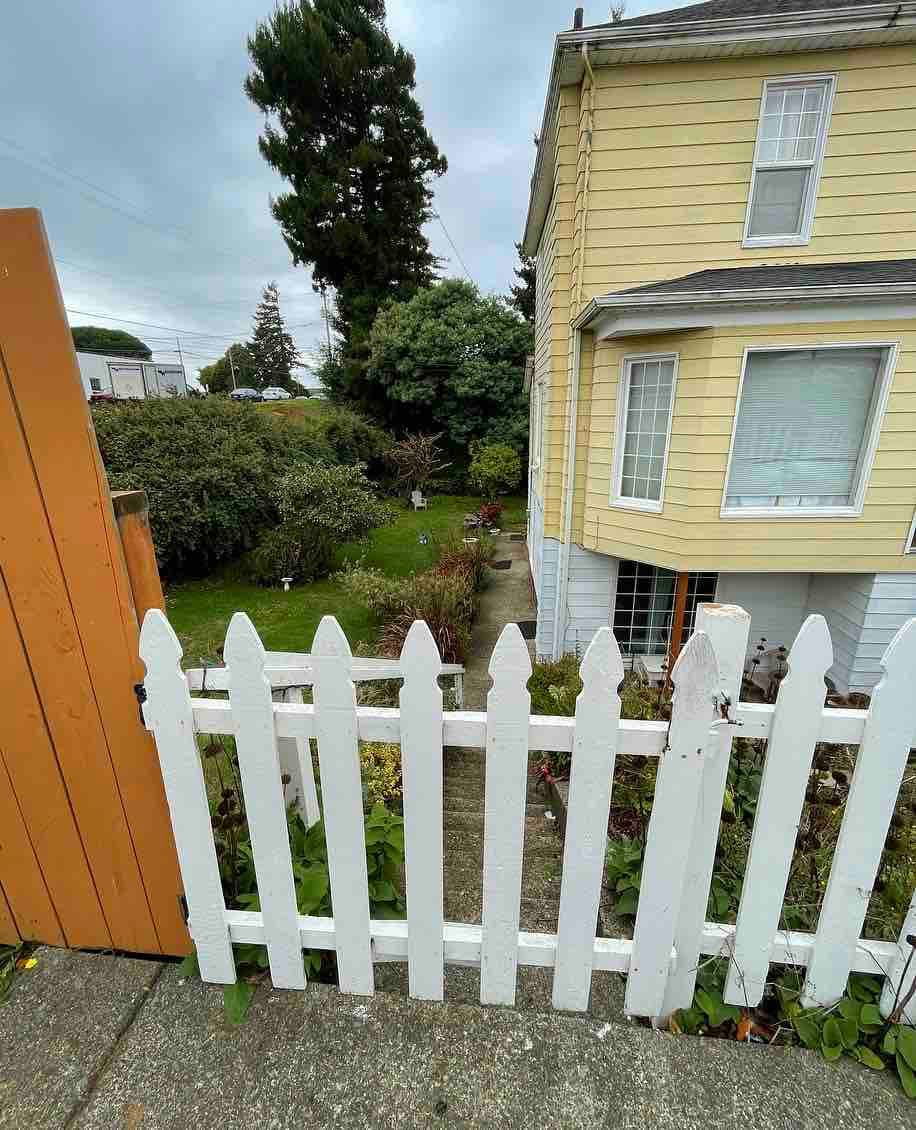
<point>791,275</point>
<point>733,9</point>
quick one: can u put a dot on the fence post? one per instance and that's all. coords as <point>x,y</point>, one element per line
<point>585,841</point>
<point>728,627</point>
<point>296,763</point>
<point>508,710</point>
<point>790,749</point>
<point>131,510</point>
<point>876,780</point>
<point>677,792</point>
<point>259,763</point>
<point>169,713</point>
<point>342,793</point>
<point>421,767</point>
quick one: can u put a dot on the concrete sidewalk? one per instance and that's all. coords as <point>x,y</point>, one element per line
<point>91,1041</point>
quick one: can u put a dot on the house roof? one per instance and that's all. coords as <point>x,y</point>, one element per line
<point>730,9</point>
<point>792,275</point>
<point>752,295</point>
<point>716,29</point>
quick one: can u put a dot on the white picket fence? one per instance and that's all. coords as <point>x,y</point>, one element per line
<point>671,936</point>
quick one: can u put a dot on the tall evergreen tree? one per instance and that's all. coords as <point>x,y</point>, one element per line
<point>271,346</point>
<point>522,295</point>
<point>346,132</point>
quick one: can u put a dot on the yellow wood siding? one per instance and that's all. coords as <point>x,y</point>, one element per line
<point>689,532</point>
<point>672,153</point>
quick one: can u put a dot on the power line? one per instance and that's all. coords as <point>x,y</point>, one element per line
<point>454,248</point>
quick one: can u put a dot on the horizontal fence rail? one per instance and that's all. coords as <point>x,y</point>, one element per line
<point>671,935</point>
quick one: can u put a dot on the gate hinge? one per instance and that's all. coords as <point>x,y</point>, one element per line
<point>140,695</point>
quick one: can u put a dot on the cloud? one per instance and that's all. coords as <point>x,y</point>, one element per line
<point>127,125</point>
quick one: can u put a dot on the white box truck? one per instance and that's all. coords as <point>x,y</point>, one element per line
<point>117,378</point>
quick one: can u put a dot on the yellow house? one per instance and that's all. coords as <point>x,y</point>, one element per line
<point>723,395</point>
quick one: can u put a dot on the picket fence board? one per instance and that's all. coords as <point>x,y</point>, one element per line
<point>462,944</point>
<point>467,729</point>
<point>790,751</point>
<point>259,765</point>
<point>168,713</point>
<point>342,799</point>
<point>591,777</point>
<point>728,628</point>
<point>421,774</point>
<point>889,732</point>
<point>508,708</point>
<point>695,677</point>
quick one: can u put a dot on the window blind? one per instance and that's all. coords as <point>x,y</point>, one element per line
<point>802,424</point>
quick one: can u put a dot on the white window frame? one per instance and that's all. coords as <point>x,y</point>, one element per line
<point>876,419</point>
<point>908,547</point>
<point>536,447</point>
<point>816,164</point>
<point>623,397</point>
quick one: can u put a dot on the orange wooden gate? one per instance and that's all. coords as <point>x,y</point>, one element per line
<point>86,851</point>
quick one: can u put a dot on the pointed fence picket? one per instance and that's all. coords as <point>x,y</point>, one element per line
<point>692,743</point>
<point>342,795</point>
<point>889,733</point>
<point>421,773</point>
<point>508,708</point>
<point>671,936</point>
<point>790,751</point>
<point>590,780</point>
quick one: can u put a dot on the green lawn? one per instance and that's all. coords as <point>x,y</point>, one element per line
<point>200,610</point>
<point>293,410</point>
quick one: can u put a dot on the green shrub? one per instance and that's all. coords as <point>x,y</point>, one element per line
<point>282,552</point>
<point>347,436</point>
<point>209,468</point>
<point>380,769</point>
<point>496,468</point>
<point>322,506</point>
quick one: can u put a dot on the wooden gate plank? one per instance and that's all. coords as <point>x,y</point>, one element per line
<point>37,349</point>
<point>38,593</point>
<point>9,935</point>
<point>41,796</point>
<point>20,875</point>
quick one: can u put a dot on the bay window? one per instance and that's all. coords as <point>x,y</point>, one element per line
<point>791,137</point>
<point>805,430</point>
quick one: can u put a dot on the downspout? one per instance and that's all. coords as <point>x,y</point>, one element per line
<point>572,423</point>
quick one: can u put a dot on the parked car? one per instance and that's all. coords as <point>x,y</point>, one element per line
<point>276,394</point>
<point>245,394</point>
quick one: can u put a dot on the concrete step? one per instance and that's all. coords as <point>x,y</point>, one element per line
<point>536,824</point>
<point>537,915</point>
<point>461,784</point>
<point>463,841</point>
<point>534,987</point>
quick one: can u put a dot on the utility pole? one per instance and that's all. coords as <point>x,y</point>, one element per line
<point>232,367</point>
<point>180,357</point>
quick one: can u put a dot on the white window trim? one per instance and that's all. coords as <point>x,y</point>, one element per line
<point>879,407</point>
<point>537,446</point>
<point>908,548</point>
<point>616,498</point>
<point>816,166</point>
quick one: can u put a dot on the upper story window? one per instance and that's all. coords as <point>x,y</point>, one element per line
<point>646,403</point>
<point>806,430</point>
<point>791,137</point>
<point>536,441</point>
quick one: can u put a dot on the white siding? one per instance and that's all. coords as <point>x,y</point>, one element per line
<point>592,580</point>
<point>777,602</point>
<point>863,610</point>
<point>547,597</point>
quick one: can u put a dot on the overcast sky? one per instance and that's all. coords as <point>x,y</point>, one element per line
<point>126,124</point>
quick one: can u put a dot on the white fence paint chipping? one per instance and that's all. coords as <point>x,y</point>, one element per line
<point>670,936</point>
